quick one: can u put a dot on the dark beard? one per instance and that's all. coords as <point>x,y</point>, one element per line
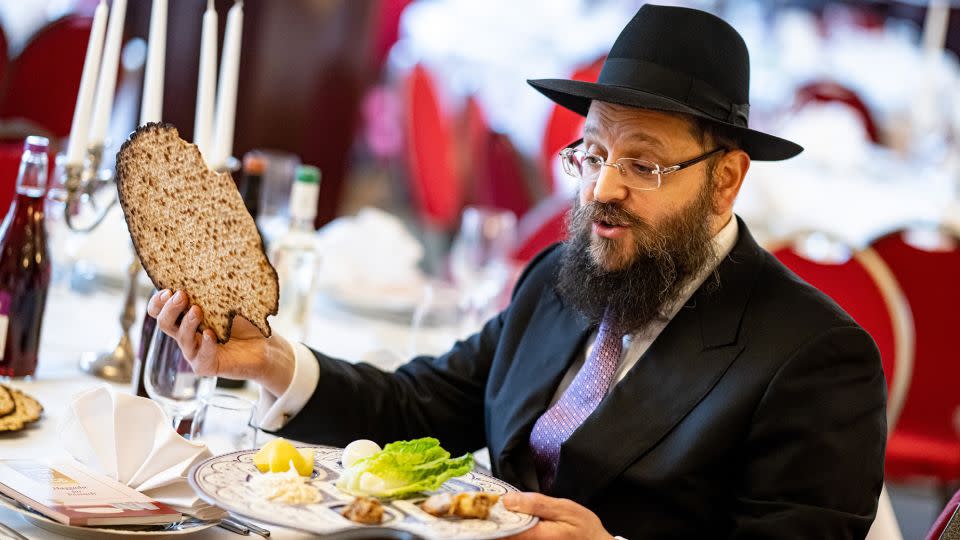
<point>633,281</point>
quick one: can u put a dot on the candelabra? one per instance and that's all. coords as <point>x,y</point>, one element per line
<point>81,183</point>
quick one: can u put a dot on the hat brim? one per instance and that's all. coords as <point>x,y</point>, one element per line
<point>577,96</point>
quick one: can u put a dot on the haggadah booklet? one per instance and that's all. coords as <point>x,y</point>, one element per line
<point>67,492</point>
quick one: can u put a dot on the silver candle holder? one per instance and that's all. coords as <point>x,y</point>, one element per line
<point>81,183</point>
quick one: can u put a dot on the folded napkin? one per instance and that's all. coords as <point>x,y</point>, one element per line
<point>129,439</point>
<point>372,248</point>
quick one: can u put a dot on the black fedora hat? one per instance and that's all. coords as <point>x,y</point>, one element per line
<point>681,60</point>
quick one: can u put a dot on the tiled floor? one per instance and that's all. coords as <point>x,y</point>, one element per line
<point>916,508</point>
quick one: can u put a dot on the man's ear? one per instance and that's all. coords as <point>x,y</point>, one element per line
<point>728,175</point>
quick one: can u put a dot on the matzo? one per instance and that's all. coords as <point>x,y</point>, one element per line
<point>192,231</point>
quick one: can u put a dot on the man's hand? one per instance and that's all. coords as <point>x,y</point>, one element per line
<point>247,355</point>
<point>559,518</point>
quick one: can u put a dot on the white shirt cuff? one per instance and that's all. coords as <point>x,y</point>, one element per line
<point>274,412</point>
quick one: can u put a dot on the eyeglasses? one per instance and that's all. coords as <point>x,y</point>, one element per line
<point>638,174</point>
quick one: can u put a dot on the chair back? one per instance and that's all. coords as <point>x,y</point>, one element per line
<point>832,92</point>
<point>44,79</point>
<point>502,182</point>
<point>542,226</point>
<point>861,284</point>
<point>434,183</point>
<point>10,154</point>
<point>926,263</point>
<point>4,58</point>
<point>564,127</point>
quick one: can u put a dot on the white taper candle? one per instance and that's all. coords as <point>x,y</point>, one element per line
<point>935,26</point>
<point>206,82</point>
<point>227,87</point>
<point>103,103</point>
<point>80,126</point>
<point>151,109</point>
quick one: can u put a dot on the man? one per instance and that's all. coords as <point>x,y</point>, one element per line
<point>658,374</point>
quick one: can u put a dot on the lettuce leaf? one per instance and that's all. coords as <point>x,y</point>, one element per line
<point>403,468</point>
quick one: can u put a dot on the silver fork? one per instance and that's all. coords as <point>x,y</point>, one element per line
<point>251,528</point>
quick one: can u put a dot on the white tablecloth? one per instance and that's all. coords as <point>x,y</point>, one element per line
<point>75,323</point>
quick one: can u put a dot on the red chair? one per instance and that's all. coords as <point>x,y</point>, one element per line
<point>502,182</point>
<point>10,154</point>
<point>564,127</point>
<point>543,225</point>
<point>387,29</point>
<point>44,79</point>
<point>925,442</point>
<point>865,288</point>
<point>828,91</point>
<point>434,182</point>
<point>4,59</point>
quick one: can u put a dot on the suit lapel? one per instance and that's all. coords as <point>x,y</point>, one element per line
<point>682,365</point>
<point>554,336</point>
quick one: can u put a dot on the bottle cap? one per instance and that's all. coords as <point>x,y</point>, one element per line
<point>254,163</point>
<point>308,174</point>
<point>36,143</point>
<point>304,193</point>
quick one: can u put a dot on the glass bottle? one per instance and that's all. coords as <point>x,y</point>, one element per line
<point>295,256</point>
<point>24,265</point>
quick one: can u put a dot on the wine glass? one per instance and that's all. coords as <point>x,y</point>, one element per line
<point>170,381</point>
<point>225,423</point>
<point>479,260</point>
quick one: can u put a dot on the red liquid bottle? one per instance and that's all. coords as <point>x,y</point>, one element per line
<point>24,265</point>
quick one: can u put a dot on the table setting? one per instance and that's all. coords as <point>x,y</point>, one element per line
<point>68,404</point>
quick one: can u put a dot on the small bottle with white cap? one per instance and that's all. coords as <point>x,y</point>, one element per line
<point>295,256</point>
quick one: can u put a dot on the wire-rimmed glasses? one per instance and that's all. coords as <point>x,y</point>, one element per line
<point>638,174</point>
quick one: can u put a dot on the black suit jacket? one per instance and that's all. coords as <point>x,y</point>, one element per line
<point>757,413</point>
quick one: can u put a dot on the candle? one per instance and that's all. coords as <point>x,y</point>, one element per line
<point>935,26</point>
<point>206,82</point>
<point>76,147</point>
<point>103,102</point>
<point>227,88</point>
<point>152,106</point>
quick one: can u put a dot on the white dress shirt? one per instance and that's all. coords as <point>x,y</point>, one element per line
<point>274,411</point>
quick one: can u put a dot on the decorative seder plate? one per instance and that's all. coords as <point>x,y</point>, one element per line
<point>225,481</point>
<point>188,525</point>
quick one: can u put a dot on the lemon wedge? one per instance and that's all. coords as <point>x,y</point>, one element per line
<point>278,455</point>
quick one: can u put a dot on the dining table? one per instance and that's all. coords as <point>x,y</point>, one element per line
<point>75,322</point>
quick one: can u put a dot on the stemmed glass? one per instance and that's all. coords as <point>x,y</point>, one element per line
<point>170,381</point>
<point>480,261</point>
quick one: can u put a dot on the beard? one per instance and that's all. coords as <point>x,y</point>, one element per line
<point>633,280</point>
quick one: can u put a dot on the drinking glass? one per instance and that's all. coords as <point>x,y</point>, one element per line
<point>225,423</point>
<point>170,381</point>
<point>480,260</point>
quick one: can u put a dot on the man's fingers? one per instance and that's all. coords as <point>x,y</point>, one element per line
<point>539,505</point>
<point>167,318</point>
<point>157,302</point>
<point>206,359</point>
<point>187,333</point>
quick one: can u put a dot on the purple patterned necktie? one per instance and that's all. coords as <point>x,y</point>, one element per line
<point>577,402</point>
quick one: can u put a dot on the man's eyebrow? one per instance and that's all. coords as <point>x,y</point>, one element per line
<point>635,137</point>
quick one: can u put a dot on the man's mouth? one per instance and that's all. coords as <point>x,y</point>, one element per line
<point>608,229</point>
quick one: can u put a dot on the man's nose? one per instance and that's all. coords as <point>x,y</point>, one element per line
<point>609,185</point>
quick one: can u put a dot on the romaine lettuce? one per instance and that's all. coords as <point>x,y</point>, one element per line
<point>403,468</point>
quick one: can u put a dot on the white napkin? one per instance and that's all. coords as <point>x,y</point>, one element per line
<point>373,249</point>
<point>129,439</point>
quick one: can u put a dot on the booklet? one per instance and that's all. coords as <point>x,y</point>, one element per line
<point>72,494</point>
